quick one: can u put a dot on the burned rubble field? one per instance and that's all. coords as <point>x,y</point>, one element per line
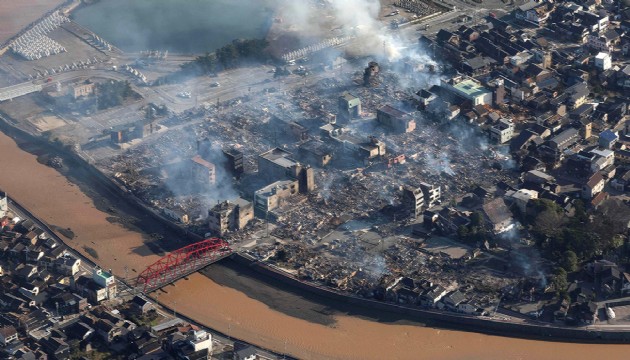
<point>455,157</point>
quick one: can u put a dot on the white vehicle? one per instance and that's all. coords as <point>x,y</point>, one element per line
<point>215,84</point>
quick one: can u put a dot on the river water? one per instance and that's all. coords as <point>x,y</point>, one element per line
<point>182,26</point>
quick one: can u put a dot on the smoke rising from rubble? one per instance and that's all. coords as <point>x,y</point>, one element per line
<point>439,164</point>
<point>180,182</point>
<point>526,262</point>
<point>374,264</point>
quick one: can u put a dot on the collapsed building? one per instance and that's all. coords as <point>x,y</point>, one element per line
<point>370,75</point>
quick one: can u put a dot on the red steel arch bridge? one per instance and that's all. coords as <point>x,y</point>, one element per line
<point>182,262</point>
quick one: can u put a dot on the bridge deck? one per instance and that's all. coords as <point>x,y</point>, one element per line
<point>11,92</point>
<point>182,272</point>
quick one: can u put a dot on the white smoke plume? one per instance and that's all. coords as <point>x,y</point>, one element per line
<point>357,18</point>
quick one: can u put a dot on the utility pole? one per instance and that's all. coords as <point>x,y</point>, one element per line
<point>267,222</point>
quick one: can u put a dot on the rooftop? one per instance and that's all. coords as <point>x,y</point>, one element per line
<point>392,111</point>
<point>198,160</point>
<point>470,88</point>
<point>279,157</point>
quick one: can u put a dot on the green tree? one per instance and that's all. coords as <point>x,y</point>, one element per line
<point>549,223</point>
<point>569,261</point>
<point>476,219</point>
<point>560,282</point>
<point>462,232</point>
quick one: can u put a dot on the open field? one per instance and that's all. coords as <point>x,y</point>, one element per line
<point>15,15</point>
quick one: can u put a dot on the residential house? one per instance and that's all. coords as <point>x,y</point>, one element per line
<point>90,289</point>
<point>8,334</point>
<point>431,296</point>
<point>140,305</point>
<point>67,303</point>
<point>502,131</point>
<point>608,138</point>
<point>534,12</point>
<point>522,197</point>
<point>79,331</point>
<point>498,216</point>
<point>55,347</point>
<point>68,265</point>
<point>244,351</point>
<point>108,330</point>
<point>577,95</point>
<point>593,186</point>
<point>604,41</point>
<point>452,300</point>
<point>470,307</point>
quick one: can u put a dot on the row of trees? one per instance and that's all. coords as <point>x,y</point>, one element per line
<point>584,234</point>
<point>229,56</point>
<point>112,93</point>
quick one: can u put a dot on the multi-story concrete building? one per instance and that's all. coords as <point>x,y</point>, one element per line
<point>271,196</point>
<point>203,172</point>
<point>502,131</point>
<point>230,215</point>
<point>395,119</point>
<point>105,280</point>
<point>235,161</point>
<point>349,107</point>
<point>277,164</point>
<point>431,193</point>
<point>84,89</point>
<point>413,200</point>
<point>469,89</point>
<point>603,61</point>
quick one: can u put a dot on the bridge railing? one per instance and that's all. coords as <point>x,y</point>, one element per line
<point>182,262</point>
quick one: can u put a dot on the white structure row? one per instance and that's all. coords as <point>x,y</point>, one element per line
<point>140,76</point>
<point>77,65</point>
<point>300,53</point>
<point>101,42</point>
<point>34,44</point>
